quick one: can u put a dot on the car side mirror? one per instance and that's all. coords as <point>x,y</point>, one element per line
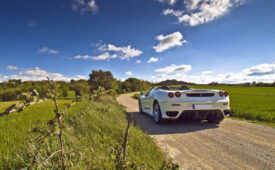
<point>142,93</point>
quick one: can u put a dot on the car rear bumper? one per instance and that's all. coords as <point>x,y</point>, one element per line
<point>198,110</point>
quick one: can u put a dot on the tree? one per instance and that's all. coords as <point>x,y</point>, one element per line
<point>102,78</point>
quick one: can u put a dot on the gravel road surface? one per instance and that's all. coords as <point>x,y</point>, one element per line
<point>231,144</point>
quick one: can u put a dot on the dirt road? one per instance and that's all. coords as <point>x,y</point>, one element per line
<point>200,145</point>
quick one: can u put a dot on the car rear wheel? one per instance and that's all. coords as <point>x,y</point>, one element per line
<point>140,107</point>
<point>215,118</point>
<point>157,113</point>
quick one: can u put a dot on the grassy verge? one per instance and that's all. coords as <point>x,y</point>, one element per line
<point>5,105</point>
<point>136,96</point>
<point>14,128</point>
<point>93,138</point>
<point>98,132</point>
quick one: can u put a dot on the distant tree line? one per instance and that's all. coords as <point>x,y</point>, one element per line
<point>248,84</point>
<point>10,90</point>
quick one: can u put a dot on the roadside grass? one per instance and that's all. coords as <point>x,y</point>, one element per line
<point>136,96</point>
<point>5,105</point>
<point>93,137</point>
<point>14,128</point>
<point>71,94</point>
<point>98,132</point>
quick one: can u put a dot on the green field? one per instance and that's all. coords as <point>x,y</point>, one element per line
<point>252,103</point>
<point>15,126</point>
<point>93,137</point>
<point>5,105</point>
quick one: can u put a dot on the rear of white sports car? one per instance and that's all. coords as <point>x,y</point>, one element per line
<point>211,105</point>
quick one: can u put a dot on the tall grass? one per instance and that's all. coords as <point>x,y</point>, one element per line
<point>5,105</point>
<point>93,137</point>
<point>98,132</point>
<point>15,126</point>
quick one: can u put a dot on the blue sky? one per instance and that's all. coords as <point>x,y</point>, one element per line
<point>192,40</point>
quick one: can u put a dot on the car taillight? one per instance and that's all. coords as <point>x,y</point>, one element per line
<point>225,94</point>
<point>177,94</point>
<point>171,95</point>
<point>221,93</point>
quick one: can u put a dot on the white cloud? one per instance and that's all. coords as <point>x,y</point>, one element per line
<point>203,11</point>
<point>104,56</point>
<point>85,6</point>
<point>159,76</point>
<point>260,70</point>
<point>123,52</point>
<point>207,72</point>
<point>169,41</point>
<point>84,57</point>
<point>128,73</point>
<point>47,50</point>
<point>81,77</point>
<point>38,74</point>
<point>138,61</point>
<point>174,69</point>
<point>169,11</point>
<point>11,67</point>
<point>259,73</point>
<point>170,2</point>
<point>152,59</point>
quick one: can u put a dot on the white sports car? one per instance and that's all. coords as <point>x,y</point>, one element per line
<point>170,103</point>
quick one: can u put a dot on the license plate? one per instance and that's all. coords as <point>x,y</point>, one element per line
<point>202,106</point>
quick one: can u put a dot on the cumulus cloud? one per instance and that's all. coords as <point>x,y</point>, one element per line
<point>207,72</point>
<point>261,70</point>
<point>38,74</point>
<point>170,2</point>
<point>104,56</point>
<point>173,68</point>
<point>85,6</point>
<point>126,52</point>
<point>80,77</point>
<point>259,73</point>
<point>176,13</point>
<point>128,73</point>
<point>169,41</point>
<point>47,50</point>
<point>152,59</point>
<point>138,61</point>
<point>203,11</point>
<point>84,57</point>
<point>159,76</point>
<point>11,67</point>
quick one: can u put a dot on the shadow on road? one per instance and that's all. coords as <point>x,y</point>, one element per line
<point>147,123</point>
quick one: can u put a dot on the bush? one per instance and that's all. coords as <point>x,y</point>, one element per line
<point>9,96</point>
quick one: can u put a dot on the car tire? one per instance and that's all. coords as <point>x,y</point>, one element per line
<point>215,118</point>
<point>140,107</point>
<point>157,114</point>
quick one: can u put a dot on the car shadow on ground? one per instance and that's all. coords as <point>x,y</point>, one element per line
<point>147,123</point>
